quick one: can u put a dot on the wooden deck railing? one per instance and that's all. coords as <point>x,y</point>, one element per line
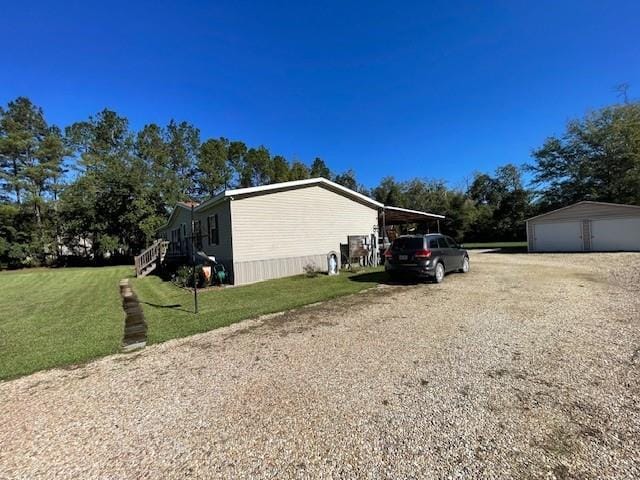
<point>150,257</point>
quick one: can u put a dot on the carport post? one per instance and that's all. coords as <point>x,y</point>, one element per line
<point>438,221</point>
<point>384,227</point>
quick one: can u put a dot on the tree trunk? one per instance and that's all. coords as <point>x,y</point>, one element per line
<point>38,213</point>
<point>16,185</point>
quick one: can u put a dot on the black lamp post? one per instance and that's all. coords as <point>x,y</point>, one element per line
<point>193,264</point>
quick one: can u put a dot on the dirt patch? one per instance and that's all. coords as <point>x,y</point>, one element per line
<point>314,315</point>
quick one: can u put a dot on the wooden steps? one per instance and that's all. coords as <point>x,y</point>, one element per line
<point>151,258</point>
<point>147,270</point>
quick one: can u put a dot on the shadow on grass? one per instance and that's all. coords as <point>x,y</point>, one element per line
<point>506,250</point>
<point>384,279</point>
<point>176,306</point>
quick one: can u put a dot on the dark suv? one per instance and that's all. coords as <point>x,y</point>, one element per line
<point>430,256</point>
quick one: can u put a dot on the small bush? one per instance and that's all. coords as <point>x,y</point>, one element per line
<point>184,277</point>
<point>310,270</point>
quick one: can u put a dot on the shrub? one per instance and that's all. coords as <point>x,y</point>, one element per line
<point>310,270</point>
<point>184,276</point>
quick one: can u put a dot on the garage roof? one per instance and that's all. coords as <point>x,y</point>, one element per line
<point>591,208</point>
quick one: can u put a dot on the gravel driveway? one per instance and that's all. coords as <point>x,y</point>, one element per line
<point>527,367</point>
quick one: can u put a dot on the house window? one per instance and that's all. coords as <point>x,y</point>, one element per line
<point>175,240</point>
<point>197,232</point>
<point>212,227</point>
<point>183,242</point>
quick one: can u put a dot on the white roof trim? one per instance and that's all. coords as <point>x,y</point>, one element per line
<point>291,184</point>
<point>275,186</point>
<point>580,203</point>
<point>229,194</point>
<point>213,200</point>
<point>417,212</point>
<point>173,212</point>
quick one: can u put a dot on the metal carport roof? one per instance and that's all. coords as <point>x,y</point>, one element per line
<point>397,215</point>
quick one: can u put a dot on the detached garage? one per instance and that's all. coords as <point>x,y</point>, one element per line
<point>586,227</point>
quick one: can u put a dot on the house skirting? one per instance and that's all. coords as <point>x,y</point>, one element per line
<point>258,270</point>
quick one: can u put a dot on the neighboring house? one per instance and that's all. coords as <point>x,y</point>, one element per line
<point>76,246</point>
<point>584,227</point>
<point>275,230</point>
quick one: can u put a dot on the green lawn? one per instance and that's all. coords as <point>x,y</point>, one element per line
<point>169,309</point>
<point>51,317</point>
<point>54,317</point>
<point>496,245</point>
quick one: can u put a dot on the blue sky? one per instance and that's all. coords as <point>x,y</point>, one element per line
<point>427,89</point>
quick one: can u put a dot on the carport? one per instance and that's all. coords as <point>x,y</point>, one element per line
<point>404,216</point>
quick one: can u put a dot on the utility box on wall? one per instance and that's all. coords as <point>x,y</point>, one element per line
<point>359,249</point>
<point>359,246</point>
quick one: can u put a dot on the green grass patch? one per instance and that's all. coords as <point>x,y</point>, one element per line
<point>56,317</point>
<point>471,246</point>
<point>169,309</point>
<point>52,317</point>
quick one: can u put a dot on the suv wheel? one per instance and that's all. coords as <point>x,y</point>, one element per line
<point>439,276</point>
<point>465,265</point>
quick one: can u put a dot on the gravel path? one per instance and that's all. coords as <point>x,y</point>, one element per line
<point>527,367</point>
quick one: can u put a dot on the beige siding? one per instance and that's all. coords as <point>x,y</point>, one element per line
<point>283,230</point>
<point>182,216</point>
<point>224,250</point>
<point>588,211</point>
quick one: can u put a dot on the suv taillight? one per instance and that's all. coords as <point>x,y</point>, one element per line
<point>422,254</point>
<point>388,254</point>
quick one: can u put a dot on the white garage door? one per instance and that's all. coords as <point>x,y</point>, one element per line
<point>558,237</point>
<point>615,234</point>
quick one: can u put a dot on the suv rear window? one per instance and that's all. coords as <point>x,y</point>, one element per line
<point>408,243</point>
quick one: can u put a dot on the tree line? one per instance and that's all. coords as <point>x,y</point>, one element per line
<point>97,189</point>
